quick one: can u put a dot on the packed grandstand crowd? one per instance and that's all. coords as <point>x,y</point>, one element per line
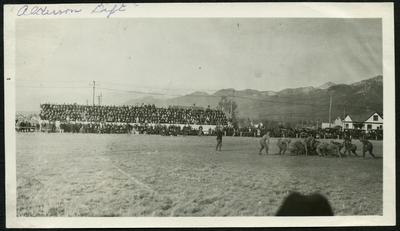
<point>143,119</point>
<point>143,114</point>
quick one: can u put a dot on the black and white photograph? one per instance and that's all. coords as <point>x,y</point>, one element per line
<point>199,115</point>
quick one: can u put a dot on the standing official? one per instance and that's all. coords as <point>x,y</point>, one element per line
<point>219,139</point>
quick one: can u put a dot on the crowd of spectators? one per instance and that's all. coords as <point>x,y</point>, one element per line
<point>149,119</point>
<point>143,114</point>
<point>26,126</point>
<point>114,128</point>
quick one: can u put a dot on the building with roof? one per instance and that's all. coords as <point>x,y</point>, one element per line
<point>34,119</point>
<point>335,124</point>
<point>20,118</point>
<point>368,121</point>
<point>338,122</point>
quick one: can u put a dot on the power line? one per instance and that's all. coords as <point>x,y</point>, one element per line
<point>211,96</point>
<point>155,88</point>
<point>214,96</point>
<point>47,81</point>
<point>49,87</point>
<point>296,103</point>
<point>140,92</point>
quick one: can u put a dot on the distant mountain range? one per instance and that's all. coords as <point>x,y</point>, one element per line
<point>326,86</point>
<point>293,104</point>
<point>307,103</point>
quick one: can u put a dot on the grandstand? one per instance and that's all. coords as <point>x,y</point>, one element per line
<point>119,119</point>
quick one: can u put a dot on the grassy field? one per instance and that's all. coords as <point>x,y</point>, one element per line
<point>141,175</point>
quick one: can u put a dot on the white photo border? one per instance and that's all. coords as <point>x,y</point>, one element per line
<point>385,11</point>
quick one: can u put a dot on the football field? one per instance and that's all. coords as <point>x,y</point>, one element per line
<point>158,176</point>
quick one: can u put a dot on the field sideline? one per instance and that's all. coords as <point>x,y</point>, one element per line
<point>150,175</point>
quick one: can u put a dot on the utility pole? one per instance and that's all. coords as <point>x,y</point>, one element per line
<point>365,94</point>
<point>330,111</point>
<point>87,102</point>
<point>100,99</point>
<point>233,96</point>
<point>291,120</point>
<point>94,89</point>
<point>344,112</point>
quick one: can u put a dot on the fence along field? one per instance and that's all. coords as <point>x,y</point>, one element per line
<point>145,175</point>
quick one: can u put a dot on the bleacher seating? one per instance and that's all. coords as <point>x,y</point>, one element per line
<point>143,114</point>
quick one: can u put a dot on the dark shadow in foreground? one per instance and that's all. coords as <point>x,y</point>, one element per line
<point>310,205</point>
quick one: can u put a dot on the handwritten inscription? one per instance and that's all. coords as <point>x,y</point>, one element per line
<point>105,9</point>
<point>38,10</point>
<point>101,8</point>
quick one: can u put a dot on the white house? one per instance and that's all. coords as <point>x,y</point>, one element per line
<point>326,125</point>
<point>34,120</point>
<point>338,122</point>
<point>20,118</point>
<point>367,121</point>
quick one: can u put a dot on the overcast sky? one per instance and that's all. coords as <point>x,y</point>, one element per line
<point>179,56</point>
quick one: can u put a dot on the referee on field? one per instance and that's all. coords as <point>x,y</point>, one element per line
<point>219,139</point>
